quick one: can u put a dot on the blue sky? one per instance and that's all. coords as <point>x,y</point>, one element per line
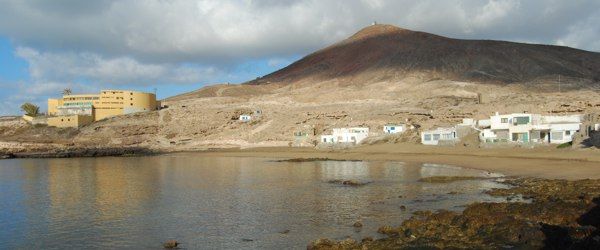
<point>182,45</point>
<point>15,76</point>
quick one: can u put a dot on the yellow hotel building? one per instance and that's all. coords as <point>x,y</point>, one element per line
<point>80,110</point>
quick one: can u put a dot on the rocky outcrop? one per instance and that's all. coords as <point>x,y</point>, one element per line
<point>560,215</point>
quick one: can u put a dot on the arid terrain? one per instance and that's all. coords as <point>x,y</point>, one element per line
<point>380,75</point>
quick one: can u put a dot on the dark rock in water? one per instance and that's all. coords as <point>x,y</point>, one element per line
<point>448,179</point>
<point>247,240</point>
<point>352,183</point>
<point>320,244</point>
<point>347,243</point>
<point>313,160</point>
<point>367,239</point>
<point>171,244</point>
<point>7,156</point>
<point>87,152</point>
<point>357,224</point>
<point>285,231</point>
<point>403,208</point>
<point>387,230</point>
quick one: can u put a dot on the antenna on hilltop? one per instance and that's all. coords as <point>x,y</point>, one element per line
<point>374,23</point>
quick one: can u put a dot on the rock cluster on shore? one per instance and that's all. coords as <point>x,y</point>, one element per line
<point>559,214</point>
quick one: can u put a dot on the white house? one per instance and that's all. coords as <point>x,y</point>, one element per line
<point>394,128</point>
<point>245,118</point>
<point>434,137</point>
<point>346,135</point>
<point>525,128</point>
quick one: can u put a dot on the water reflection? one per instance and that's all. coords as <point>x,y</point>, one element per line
<point>210,202</point>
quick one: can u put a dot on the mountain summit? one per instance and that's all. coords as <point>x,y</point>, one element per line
<point>385,52</point>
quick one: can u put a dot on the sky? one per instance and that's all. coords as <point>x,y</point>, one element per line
<point>177,46</point>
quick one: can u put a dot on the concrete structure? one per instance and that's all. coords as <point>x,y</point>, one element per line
<point>590,123</point>
<point>439,136</point>
<point>531,128</point>
<point>100,106</point>
<point>70,121</point>
<point>245,118</point>
<point>346,135</point>
<point>36,120</point>
<point>394,128</point>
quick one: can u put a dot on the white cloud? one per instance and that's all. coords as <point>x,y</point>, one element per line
<point>93,68</point>
<point>204,31</point>
<point>495,10</point>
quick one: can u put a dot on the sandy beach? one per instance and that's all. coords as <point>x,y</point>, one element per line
<point>541,162</point>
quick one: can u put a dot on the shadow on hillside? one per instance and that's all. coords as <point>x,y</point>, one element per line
<point>593,140</point>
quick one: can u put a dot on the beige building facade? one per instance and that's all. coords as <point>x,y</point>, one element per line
<point>107,104</point>
<point>70,121</point>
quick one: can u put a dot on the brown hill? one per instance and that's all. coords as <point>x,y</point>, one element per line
<point>385,52</point>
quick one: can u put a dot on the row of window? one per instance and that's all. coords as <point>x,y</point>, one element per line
<point>437,137</point>
<point>517,120</point>
<point>77,103</point>
<point>80,98</point>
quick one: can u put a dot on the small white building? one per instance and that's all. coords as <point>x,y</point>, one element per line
<point>245,118</point>
<point>394,128</point>
<point>346,135</point>
<point>439,135</point>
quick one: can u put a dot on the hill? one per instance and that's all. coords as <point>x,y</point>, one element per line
<point>380,75</point>
<point>385,52</point>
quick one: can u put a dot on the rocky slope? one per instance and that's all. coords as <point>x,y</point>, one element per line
<point>385,52</point>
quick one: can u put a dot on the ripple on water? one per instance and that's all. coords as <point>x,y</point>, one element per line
<point>217,202</point>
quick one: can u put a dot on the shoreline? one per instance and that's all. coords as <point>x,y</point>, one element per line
<point>538,163</point>
<point>559,214</point>
<point>542,162</point>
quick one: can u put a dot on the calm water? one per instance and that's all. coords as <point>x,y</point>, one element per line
<point>212,202</point>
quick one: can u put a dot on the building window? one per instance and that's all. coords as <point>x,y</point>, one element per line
<point>504,120</point>
<point>436,137</point>
<point>521,120</point>
<point>568,132</point>
<point>427,137</point>
<point>557,136</point>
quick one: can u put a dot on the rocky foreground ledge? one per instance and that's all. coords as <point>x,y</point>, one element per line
<point>556,214</point>
<point>68,152</point>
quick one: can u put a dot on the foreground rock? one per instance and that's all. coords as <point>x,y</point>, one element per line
<point>561,214</point>
<point>352,183</point>
<point>312,160</point>
<point>69,152</point>
<point>448,179</point>
<point>171,244</point>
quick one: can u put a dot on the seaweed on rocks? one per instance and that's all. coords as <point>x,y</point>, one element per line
<point>561,214</point>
